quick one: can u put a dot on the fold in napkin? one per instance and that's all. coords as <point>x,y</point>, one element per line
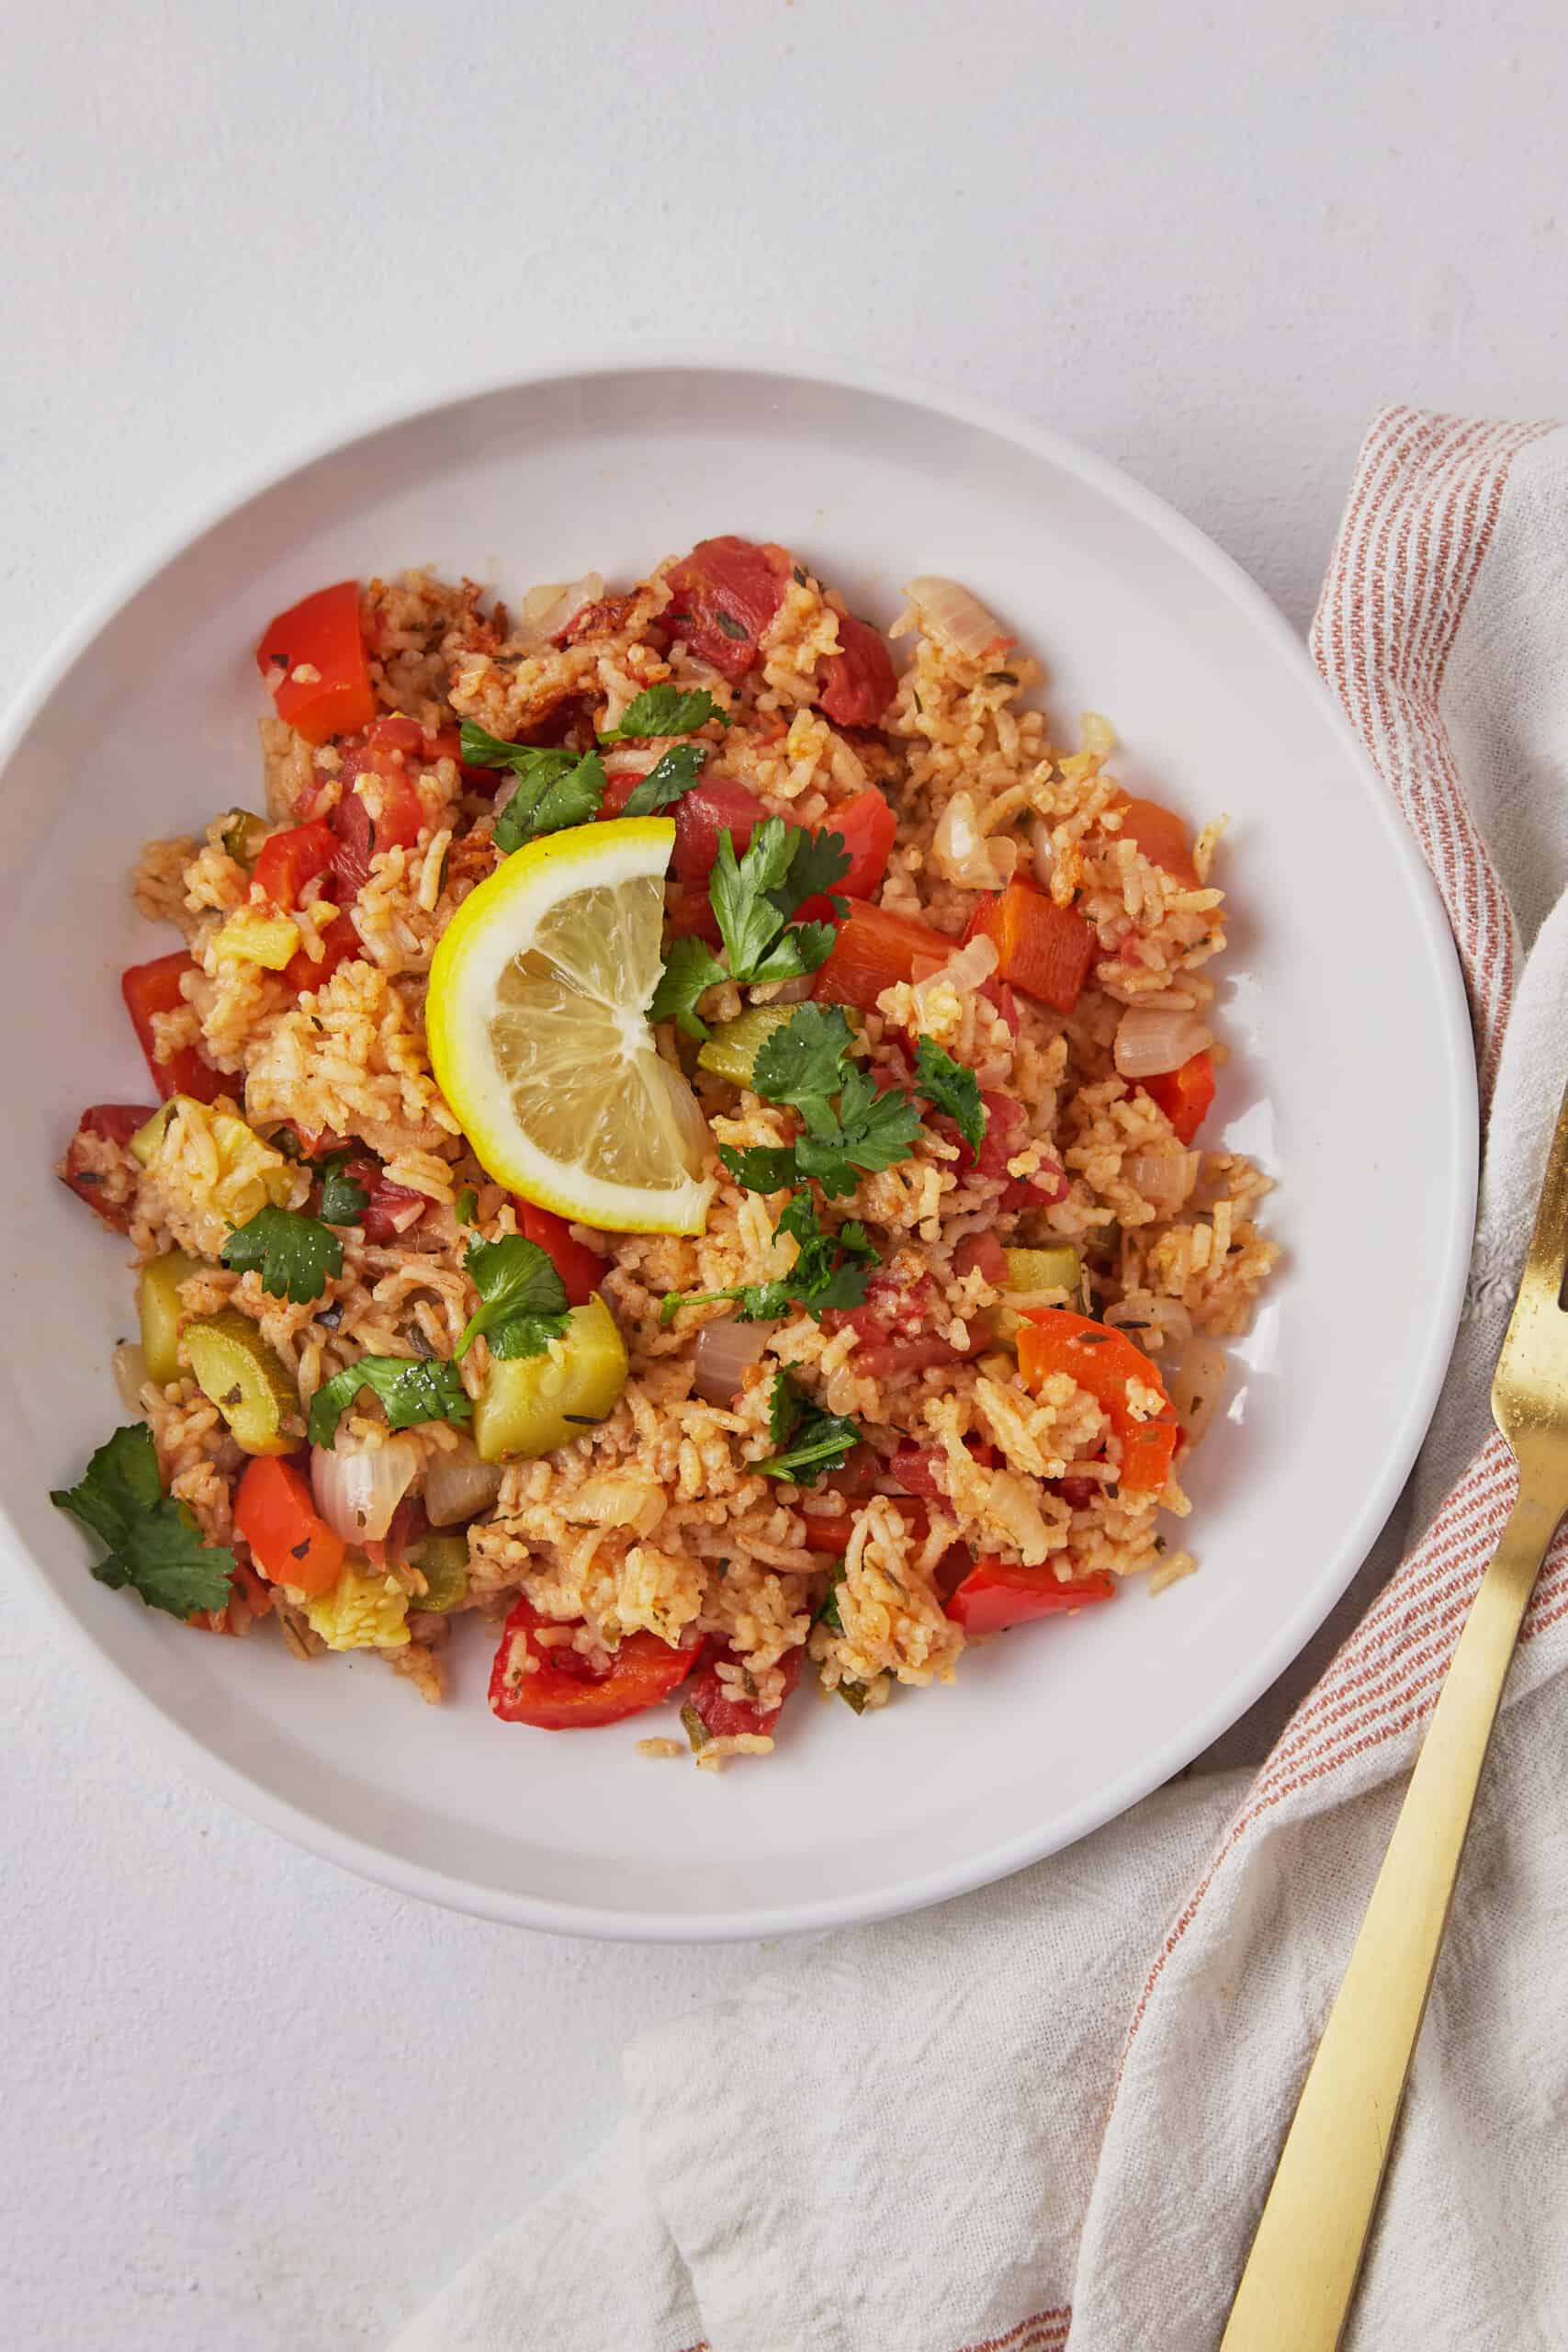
<point>1013,2123</point>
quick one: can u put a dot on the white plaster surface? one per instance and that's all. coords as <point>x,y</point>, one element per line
<point>246,2102</point>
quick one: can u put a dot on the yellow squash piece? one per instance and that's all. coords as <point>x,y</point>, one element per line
<point>532,1404</point>
<point>251,937</point>
<point>158,1302</point>
<point>363,1611</point>
<point>1029,1273</point>
<point>537,1022</point>
<point>250,1173</point>
<point>248,1382</point>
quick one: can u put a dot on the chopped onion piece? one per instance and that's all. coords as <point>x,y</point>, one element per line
<point>1154,1039</point>
<point>726,1352</point>
<point>633,759</point>
<point>130,1374</point>
<point>357,1487</point>
<point>1042,851</point>
<point>1194,1384</point>
<point>547,608</point>
<point>1164,1178</point>
<point>458,1486</point>
<point>947,611</point>
<point>964,855</point>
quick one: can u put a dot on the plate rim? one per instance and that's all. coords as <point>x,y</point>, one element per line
<point>1450,1009</point>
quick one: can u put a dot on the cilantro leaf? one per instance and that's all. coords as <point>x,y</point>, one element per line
<point>342,1196</point>
<point>549,800</point>
<point>675,774</point>
<point>523,1299</point>
<point>689,968</point>
<point>749,921</point>
<point>411,1388</point>
<point>804,1061</point>
<point>663,711</point>
<point>528,762</point>
<point>151,1541</point>
<point>828,1271</point>
<point>294,1254</point>
<point>952,1088</point>
<point>867,1133</point>
<point>761,1167</point>
<point>809,1440</point>
<point>819,861</point>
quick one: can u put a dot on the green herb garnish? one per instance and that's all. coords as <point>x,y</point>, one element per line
<point>411,1388</point>
<point>807,1440</point>
<point>830,1271</point>
<point>293,1254</point>
<point>150,1543</point>
<point>344,1198</point>
<point>554,788</point>
<point>663,711</point>
<point>952,1088</point>
<point>753,897</point>
<point>675,774</point>
<point>805,1063</point>
<point>523,1299</point>
<point>466,1205</point>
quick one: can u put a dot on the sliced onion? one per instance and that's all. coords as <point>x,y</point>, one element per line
<point>458,1486</point>
<point>951,612</point>
<point>963,973</point>
<point>547,608</point>
<point>1152,1039</point>
<point>1042,851</point>
<point>357,1487</point>
<point>1194,1384</point>
<point>726,1352</point>
<point>1164,1178</point>
<point>964,855</point>
<point>130,1374</point>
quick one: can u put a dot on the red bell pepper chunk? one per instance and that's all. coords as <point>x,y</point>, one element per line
<point>829,1532</point>
<point>340,943</point>
<point>856,685</point>
<point>555,1688</point>
<point>1102,1361</point>
<point>288,861</point>
<point>874,949</point>
<point>149,988</point>
<point>1184,1094</point>
<point>1161,836</point>
<point>359,834</point>
<point>105,1122</point>
<point>722,1715</point>
<point>322,634</point>
<point>1042,948</point>
<point>865,825</point>
<point>290,1542</point>
<point>997,1594</point>
<point>724,594</point>
<point>581,1269</point>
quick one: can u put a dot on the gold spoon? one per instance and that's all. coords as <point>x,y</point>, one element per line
<point>1296,2290</point>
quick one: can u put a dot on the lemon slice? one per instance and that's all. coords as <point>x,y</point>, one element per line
<point>538,1021</point>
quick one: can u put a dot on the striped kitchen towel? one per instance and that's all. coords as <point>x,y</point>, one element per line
<point>1047,2115</point>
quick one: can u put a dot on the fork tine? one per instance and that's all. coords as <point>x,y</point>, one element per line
<point>1547,1261</point>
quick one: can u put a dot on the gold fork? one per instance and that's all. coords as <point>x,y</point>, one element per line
<point>1296,2289</point>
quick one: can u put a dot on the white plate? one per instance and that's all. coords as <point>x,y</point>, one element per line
<point>1351,1079</point>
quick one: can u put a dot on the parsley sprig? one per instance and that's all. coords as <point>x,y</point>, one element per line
<point>411,1388</point>
<point>554,788</point>
<point>753,897</point>
<point>950,1086</point>
<point>151,1541</point>
<point>664,711</point>
<point>805,1064</point>
<point>294,1254</point>
<point>808,1441</point>
<point>831,1270</point>
<point>522,1302</point>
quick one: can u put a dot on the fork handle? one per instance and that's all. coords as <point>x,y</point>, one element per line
<point>1301,2274</point>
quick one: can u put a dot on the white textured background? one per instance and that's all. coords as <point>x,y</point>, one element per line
<point>249,2103</point>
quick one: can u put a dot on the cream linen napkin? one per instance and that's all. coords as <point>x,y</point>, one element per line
<point>1019,2121</point>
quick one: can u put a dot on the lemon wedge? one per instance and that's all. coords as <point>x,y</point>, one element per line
<point>538,1021</point>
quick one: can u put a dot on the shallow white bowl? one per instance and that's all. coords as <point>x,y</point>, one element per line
<point>1351,1079</point>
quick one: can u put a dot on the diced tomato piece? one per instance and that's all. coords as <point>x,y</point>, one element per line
<point>1185,1094</point>
<point>288,861</point>
<point>618,790</point>
<point>407,1527</point>
<point>701,815</point>
<point>828,1531</point>
<point>998,992</point>
<point>1042,948</point>
<point>290,1542</point>
<point>725,1716</point>
<point>555,1688</point>
<point>581,1269</point>
<point>885,1359</point>
<point>998,1592</point>
<point>915,1467</point>
<point>1102,1361</point>
<point>1161,836</point>
<point>322,634</point>
<point>391,1210</point>
<point>982,1253</point>
<point>866,826</point>
<point>105,1122</point>
<point>340,943</point>
<point>689,915</point>
<point>724,594</point>
<point>874,949</point>
<point>360,835</point>
<point>154,987</point>
<point>856,685</point>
